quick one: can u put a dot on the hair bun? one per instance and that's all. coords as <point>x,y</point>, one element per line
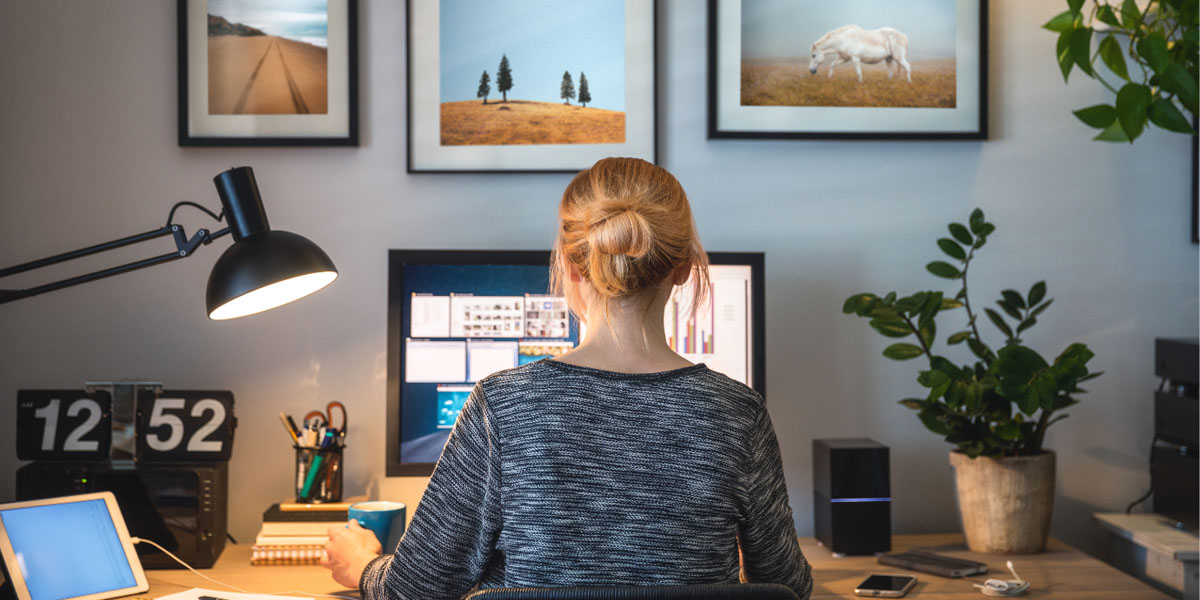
<point>619,229</point>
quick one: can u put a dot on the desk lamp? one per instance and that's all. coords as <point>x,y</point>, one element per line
<point>263,269</point>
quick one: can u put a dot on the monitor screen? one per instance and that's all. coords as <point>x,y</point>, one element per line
<point>455,317</point>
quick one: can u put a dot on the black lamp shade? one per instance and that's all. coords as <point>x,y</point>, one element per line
<point>265,270</point>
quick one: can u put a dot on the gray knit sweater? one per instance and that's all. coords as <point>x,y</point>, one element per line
<point>561,475</point>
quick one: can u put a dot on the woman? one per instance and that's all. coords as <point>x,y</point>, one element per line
<point>619,462</point>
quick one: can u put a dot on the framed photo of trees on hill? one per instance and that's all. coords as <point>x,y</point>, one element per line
<point>856,69</point>
<point>529,85</point>
<point>268,73</point>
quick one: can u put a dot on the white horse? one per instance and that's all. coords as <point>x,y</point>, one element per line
<point>852,43</point>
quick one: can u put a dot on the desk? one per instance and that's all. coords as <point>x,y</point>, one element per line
<point>1060,572</point>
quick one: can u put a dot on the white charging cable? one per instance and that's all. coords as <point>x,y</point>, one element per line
<point>1000,587</point>
<point>232,587</point>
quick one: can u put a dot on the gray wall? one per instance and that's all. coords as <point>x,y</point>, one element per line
<point>87,120</point>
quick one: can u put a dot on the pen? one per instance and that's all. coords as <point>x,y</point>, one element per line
<point>283,418</point>
<point>312,475</point>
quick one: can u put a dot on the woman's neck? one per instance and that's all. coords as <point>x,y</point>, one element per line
<point>629,339</point>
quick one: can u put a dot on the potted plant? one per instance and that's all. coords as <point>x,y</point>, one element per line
<point>1151,55</point>
<point>994,412</point>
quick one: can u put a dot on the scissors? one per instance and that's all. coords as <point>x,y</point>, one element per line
<point>326,417</point>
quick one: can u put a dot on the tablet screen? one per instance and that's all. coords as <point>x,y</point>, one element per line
<point>67,550</point>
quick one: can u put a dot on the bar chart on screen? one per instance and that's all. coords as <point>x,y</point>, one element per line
<point>716,332</point>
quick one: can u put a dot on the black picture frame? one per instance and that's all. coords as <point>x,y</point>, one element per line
<point>340,129</point>
<point>972,124</point>
<point>426,154</point>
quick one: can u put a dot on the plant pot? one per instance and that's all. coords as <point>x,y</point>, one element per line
<point>1005,503</point>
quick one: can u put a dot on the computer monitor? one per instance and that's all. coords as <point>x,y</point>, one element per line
<point>457,316</point>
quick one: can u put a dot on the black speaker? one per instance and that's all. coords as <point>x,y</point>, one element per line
<point>852,496</point>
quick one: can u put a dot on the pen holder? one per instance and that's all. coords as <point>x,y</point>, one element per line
<point>318,474</point>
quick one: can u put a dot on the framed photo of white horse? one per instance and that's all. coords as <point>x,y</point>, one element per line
<point>847,69</point>
<point>529,85</point>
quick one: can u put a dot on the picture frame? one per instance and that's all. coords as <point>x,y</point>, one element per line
<point>457,50</point>
<point>761,82</point>
<point>268,74</point>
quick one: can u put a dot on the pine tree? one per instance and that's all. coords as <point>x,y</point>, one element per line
<point>504,77</point>
<point>484,87</point>
<point>584,95</point>
<point>568,88</point>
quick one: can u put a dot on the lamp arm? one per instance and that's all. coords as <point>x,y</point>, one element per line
<point>184,247</point>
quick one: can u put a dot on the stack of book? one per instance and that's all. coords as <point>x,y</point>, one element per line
<point>295,534</point>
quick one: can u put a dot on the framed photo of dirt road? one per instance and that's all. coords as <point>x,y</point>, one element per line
<point>850,69</point>
<point>268,72</point>
<point>529,85</point>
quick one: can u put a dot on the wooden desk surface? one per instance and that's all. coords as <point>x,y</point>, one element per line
<point>1059,572</point>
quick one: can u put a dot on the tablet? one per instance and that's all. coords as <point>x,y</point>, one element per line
<point>73,547</point>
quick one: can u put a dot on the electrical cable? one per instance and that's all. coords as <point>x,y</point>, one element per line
<point>137,540</point>
<point>171,215</point>
<point>1003,588</point>
<point>1149,492</point>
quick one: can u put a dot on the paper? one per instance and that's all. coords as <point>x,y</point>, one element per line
<point>199,593</point>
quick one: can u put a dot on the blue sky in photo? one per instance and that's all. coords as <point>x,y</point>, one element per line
<point>542,38</point>
<point>787,28</point>
<point>302,20</point>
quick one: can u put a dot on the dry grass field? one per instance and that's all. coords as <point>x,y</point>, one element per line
<point>527,122</point>
<point>265,75</point>
<point>787,82</point>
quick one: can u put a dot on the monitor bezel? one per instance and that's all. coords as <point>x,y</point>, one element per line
<point>17,579</point>
<point>397,259</point>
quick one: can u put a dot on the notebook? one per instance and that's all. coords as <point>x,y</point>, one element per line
<point>73,547</point>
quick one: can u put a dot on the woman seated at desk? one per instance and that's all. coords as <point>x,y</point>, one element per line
<point>618,463</point>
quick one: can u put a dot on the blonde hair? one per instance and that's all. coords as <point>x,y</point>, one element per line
<point>625,226</point>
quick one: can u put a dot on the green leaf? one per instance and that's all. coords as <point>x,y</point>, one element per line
<point>985,230</point>
<point>1037,311</point>
<point>1106,15</point>
<point>1113,57</point>
<point>1013,298</point>
<point>979,349</point>
<point>889,298</point>
<point>1153,48</point>
<point>928,331</point>
<point>943,269</point>
<point>894,328</point>
<point>1133,100</point>
<point>960,233</point>
<point>1063,52</point>
<point>958,338</point>
<point>1075,5</point>
<point>1064,21</point>
<point>902,351</point>
<point>1008,430</point>
<point>1179,81</point>
<point>857,302</point>
<point>1026,324</point>
<point>932,422</point>
<point>1098,116</point>
<point>908,303</point>
<point>1036,293</point>
<point>950,303</point>
<point>976,220</point>
<point>1164,114</point>
<point>952,249</point>
<point>932,378</point>
<point>998,321</point>
<point>1131,17</point>
<point>914,403</point>
<point>1009,308</point>
<point>1112,133</point>
<point>1081,49</point>
<point>930,308</point>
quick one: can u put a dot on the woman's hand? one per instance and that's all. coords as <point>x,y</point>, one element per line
<point>348,551</point>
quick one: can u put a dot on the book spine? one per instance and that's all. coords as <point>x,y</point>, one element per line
<point>291,540</point>
<point>261,555</point>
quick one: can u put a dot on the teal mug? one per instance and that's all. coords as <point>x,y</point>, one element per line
<point>384,518</point>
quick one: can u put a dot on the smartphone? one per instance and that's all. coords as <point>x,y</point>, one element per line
<point>886,586</point>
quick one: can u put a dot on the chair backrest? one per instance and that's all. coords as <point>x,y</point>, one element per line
<point>715,591</point>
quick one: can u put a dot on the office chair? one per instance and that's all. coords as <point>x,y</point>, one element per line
<point>711,591</point>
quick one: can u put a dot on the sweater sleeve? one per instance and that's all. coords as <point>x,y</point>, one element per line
<point>766,533</point>
<point>450,541</point>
